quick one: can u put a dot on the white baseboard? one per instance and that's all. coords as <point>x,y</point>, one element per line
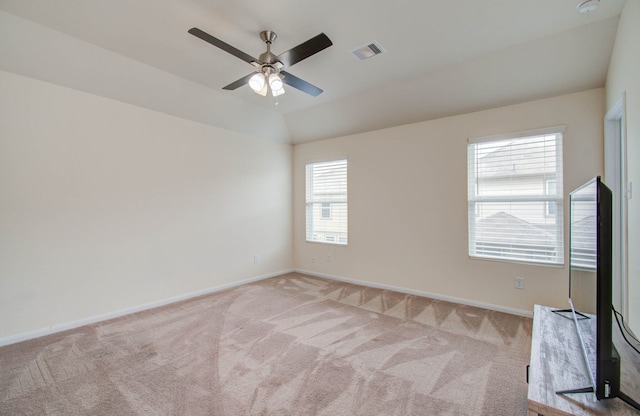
<point>490,306</point>
<point>12,339</point>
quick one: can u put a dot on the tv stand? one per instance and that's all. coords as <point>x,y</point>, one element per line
<point>568,313</point>
<point>557,364</point>
<point>575,391</point>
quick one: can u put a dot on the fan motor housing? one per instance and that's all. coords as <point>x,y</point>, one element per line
<point>268,36</point>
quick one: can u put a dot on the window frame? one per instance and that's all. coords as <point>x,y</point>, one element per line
<point>475,201</point>
<point>334,237</point>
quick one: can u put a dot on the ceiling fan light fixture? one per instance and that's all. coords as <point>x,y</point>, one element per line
<point>263,91</point>
<point>258,82</point>
<point>275,93</point>
<point>275,82</point>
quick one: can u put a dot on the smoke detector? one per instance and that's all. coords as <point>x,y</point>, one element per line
<point>586,6</point>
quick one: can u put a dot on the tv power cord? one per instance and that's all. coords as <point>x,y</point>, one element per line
<point>623,329</point>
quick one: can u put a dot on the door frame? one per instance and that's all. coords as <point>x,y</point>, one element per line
<point>615,176</point>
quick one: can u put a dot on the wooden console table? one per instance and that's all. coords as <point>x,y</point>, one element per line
<point>557,364</point>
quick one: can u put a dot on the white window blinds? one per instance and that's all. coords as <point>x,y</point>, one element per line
<point>515,197</point>
<point>326,202</point>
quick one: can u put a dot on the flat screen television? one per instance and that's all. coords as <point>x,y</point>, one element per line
<point>591,287</point>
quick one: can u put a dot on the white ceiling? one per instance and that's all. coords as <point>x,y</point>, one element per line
<point>443,57</point>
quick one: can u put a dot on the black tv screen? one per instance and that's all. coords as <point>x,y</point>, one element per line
<point>590,283</point>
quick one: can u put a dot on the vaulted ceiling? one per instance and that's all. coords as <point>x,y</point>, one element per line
<point>442,57</point>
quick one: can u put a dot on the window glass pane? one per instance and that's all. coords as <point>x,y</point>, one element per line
<point>326,210</point>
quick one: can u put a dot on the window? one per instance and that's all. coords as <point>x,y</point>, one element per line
<point>326,210</point>
<point>515,197</point>
<point>326,202</point>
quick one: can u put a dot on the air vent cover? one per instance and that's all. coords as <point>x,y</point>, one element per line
<point>368,51</point>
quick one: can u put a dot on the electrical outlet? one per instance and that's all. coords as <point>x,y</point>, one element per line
<point>519,282</point>
<point>313,259</point>
<point>256,259</point>
<point>329,257</point>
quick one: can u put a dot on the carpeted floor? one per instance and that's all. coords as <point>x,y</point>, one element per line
<point>289,345</point>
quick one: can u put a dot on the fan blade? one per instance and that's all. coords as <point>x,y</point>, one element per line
<point>302,85</point>
<point>222,45</point>
<point>304,50</point>
<point>239,83</point>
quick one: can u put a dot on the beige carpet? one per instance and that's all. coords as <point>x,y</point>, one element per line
<point>289,345</point>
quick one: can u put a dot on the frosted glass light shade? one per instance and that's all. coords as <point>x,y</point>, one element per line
<point>263,91</point>
<point>275,82</point>
<point>257,82</point>
<point>275,93</point>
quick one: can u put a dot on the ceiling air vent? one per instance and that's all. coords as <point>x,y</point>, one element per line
<point>368,51</point>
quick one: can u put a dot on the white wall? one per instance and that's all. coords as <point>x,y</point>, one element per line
<point>624,77</point>
<point>408,202</point>
<point>106,206</point>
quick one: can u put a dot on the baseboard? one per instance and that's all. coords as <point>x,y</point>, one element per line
<point>490,306</point>
<point>12,339</point>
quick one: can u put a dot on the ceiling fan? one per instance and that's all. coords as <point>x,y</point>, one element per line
<point>269,72</point>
